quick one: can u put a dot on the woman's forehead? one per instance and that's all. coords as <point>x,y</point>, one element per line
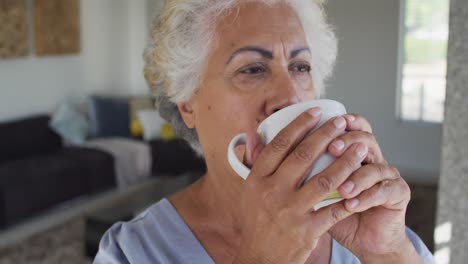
<point>260,23</point>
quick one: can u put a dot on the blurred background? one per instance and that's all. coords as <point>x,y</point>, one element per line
<point>81,145</point>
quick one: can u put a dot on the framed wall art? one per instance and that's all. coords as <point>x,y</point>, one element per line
<point>14,39</point>
<point>57,27</point>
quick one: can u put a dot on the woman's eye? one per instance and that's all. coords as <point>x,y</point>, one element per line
<point>301,68</point>
<point>253,70</point>
<point>251,76</point>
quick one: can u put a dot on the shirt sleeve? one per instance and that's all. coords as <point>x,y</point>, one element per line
<point>110,251</point>
<point>420,247</point>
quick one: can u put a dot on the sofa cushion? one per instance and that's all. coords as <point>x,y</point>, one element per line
<point>27,137</point>
<point>152,123</point>
<point>70,124</point>
<point>174,157</point>
<point>98,166</point>
<point>32,185</point>
<point>109,116</point>
<point>137,104</point>
<point>38,183</point>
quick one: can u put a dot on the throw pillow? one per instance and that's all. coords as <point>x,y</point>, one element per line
<point>167,132</point>
<point>137,104</point>
<point>109,116</point>
<point>70,124</point>
<point>136,130</point>
<point>151,122</point>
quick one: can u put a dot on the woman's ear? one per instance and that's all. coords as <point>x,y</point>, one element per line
<point>187,113</point>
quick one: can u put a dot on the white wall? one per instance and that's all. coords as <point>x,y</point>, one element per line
<point>154,7</point>
<point>138,36</point>
<point>113,34</point>
<point>365,80</point>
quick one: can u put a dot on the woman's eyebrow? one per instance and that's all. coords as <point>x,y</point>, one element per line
<point>296,52</point>
<point>264,52</point>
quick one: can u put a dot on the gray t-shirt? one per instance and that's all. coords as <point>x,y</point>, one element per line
<point>160,235</point>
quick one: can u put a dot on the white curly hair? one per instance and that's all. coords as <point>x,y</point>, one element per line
<point>183,34</point>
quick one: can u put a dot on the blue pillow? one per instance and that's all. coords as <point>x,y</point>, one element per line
<point>70,124</point>
<point>109,116</point>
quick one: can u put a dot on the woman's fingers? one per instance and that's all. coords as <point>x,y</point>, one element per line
<point>326,217</point>
<point>340,144</point>
<point>357,122</point>
<point>276,151</point>
<point>298,163</point>
<point>366,177</point>
<point>359,130</point>
<point>391,194</point>
<point>317,188</point>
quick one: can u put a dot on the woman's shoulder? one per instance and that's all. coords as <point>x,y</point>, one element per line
<point>124,241</point>
<point>158,234</point>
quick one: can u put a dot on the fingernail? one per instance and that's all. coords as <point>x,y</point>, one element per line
<point>339,122</point>
<point>361,150</point>
<point>353,203</point>
<point>348,186</point>
<point>338,145</point>
<point>316,111</point>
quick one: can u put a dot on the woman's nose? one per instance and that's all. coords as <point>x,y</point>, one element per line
<point>281,95</point>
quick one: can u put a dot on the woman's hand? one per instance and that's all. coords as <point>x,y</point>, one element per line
<point>378,196</point>
<point>279,224</point>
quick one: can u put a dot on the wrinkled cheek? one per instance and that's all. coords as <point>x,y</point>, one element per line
<point>306,89</point>
<point>248,84</point>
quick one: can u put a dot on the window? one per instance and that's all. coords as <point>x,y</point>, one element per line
<point>424,59</point>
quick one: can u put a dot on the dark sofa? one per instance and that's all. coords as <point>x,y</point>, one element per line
<point>37,171</point>
<point>174,157</point>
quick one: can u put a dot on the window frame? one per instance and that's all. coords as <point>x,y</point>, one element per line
<point>400,66</point>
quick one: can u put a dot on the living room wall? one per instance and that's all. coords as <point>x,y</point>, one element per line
<point>113,34</point>
<point>365,80</point>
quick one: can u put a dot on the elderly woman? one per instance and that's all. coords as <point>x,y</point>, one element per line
<point>220,67</point>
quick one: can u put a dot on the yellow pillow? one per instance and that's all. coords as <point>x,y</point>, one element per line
<point>136,129</point>
<point>137,104</point>
<point>167,132</point>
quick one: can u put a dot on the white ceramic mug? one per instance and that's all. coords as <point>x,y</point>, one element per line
<point>272,125</point>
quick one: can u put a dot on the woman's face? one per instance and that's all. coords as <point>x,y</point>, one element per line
<point>260,64</point>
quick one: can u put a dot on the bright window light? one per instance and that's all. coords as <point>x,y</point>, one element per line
<point>443,233</point>
<point>424,60</point>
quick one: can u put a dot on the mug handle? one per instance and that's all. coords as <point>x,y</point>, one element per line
<point>235,163</point>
